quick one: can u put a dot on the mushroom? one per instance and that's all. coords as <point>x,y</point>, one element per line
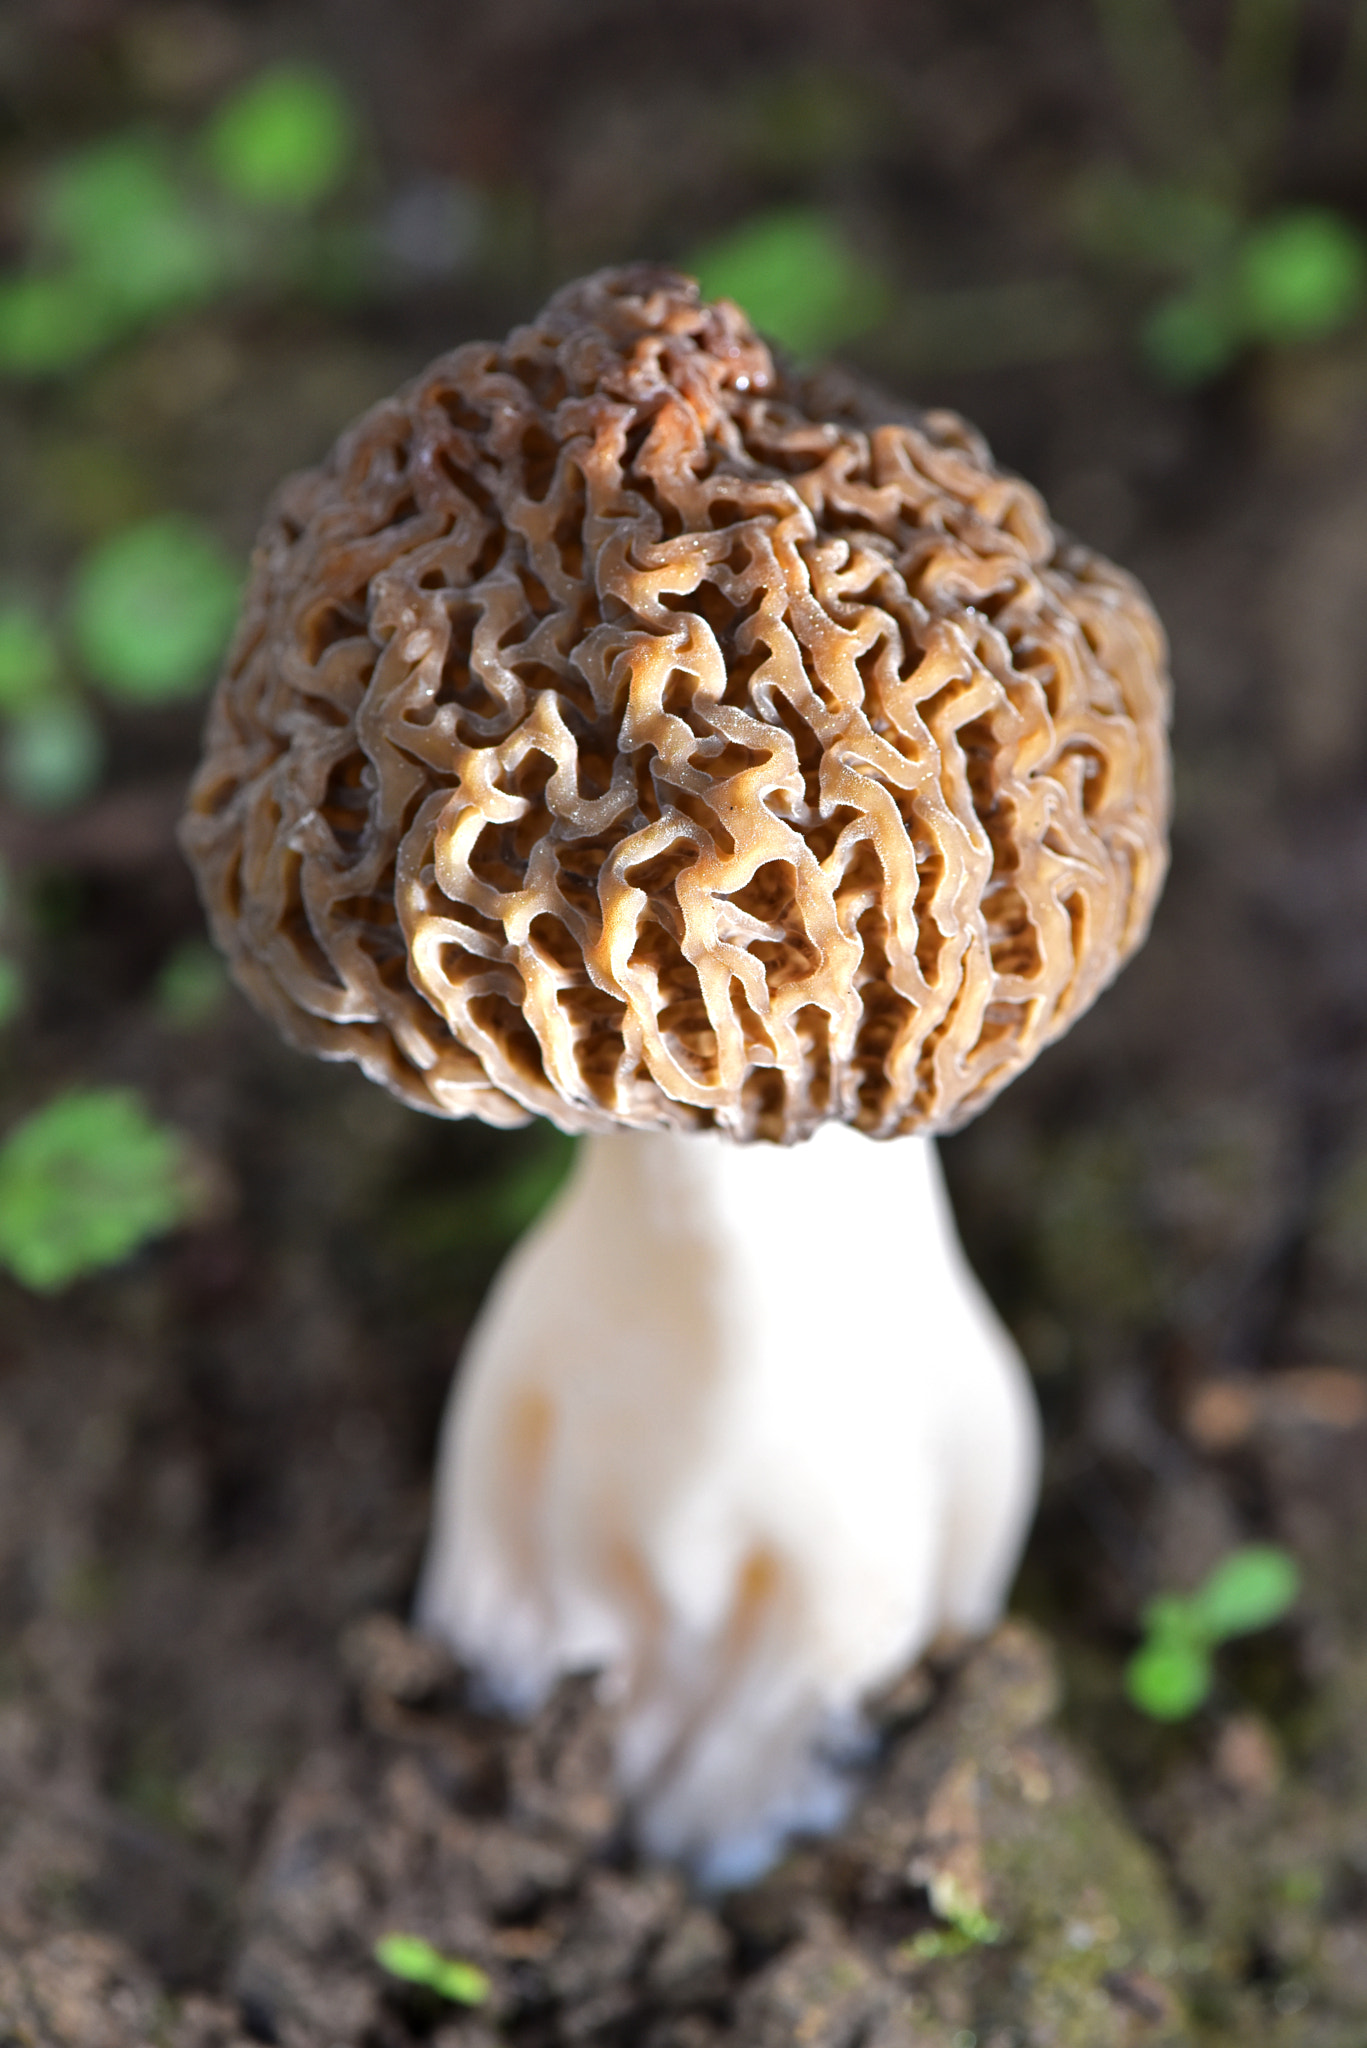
<point>627,730</point>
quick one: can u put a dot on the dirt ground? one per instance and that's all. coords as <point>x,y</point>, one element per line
<point>225,1768</point>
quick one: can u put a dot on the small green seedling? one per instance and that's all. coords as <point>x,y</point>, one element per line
<point>416,1961</point>
<point>797,278</point>
<point>48,324</point>
<point>1230,274</point>
<point>1301,273</point>
<point>287,139</point>
<point>120,214</point>
<point>152,607</point>
<point>134,228</point>
<point>1171,1673</point>
<point>1295,276</point>
<point>966,1925</point>
<point>118,241</point>
<point>84,1182</point>
<point>149,612</point>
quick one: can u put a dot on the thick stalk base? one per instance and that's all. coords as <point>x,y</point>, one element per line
<point>738,1428</point>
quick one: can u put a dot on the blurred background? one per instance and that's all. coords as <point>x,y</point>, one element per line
<point>1129,239</point>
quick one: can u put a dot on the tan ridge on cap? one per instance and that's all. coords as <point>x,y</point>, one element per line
<point>610,736</point>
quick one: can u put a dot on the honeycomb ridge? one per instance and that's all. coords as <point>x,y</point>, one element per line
<point>626,730</point>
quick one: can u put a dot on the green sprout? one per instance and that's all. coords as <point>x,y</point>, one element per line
<point>1171,1673</point>
<point>1190,338</point>
<point>120,242</point>
<point>84,1182</point>
<point>287,139</point>
<point>149,612</point>
<point>130,230</point>
<point>414,1960</point>
<point>1295,276</point>
<point>1228,275</point>
<point>152,607</point>
<point>966,1924</point>
<point>48,324</point>
<point>119,211</point>
<point>1301,273</point>
<point>797,278</point>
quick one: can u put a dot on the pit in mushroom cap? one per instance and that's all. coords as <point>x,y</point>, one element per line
<point>611,736</point>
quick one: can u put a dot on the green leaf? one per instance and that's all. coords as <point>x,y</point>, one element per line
<point>29,661</point>
<point>1300,274</point>
<point>123,240</point>
<point>796,276</point>
<point>968,1924</point>
<point>1297,275</point>
<point>954,1903</point>
<point>287,139</point>
<point>49,324</point>
<point>417,1962</point>
<point>152,608</point>
<point>1168,1678</point>
<point>1192,337</point>
<point>139,245</point>
<point>1248,1590</point>
<point>105,194</point>
<point>53,755</point>
<point>935,1945</point>
<point>84,1182</point>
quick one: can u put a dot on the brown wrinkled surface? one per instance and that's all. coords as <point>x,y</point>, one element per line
<point>609,737</point>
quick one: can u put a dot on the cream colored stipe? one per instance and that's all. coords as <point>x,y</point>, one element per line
<point>739,1429</point>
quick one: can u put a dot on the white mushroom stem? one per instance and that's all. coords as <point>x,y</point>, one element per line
<point>738,1428</point>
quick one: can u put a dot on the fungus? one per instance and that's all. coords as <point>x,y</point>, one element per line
<point>628,730</point>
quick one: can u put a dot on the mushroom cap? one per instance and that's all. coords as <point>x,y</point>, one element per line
<point>625,729</point>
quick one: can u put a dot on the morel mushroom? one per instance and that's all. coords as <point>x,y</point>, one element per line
<point>626,730</point>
